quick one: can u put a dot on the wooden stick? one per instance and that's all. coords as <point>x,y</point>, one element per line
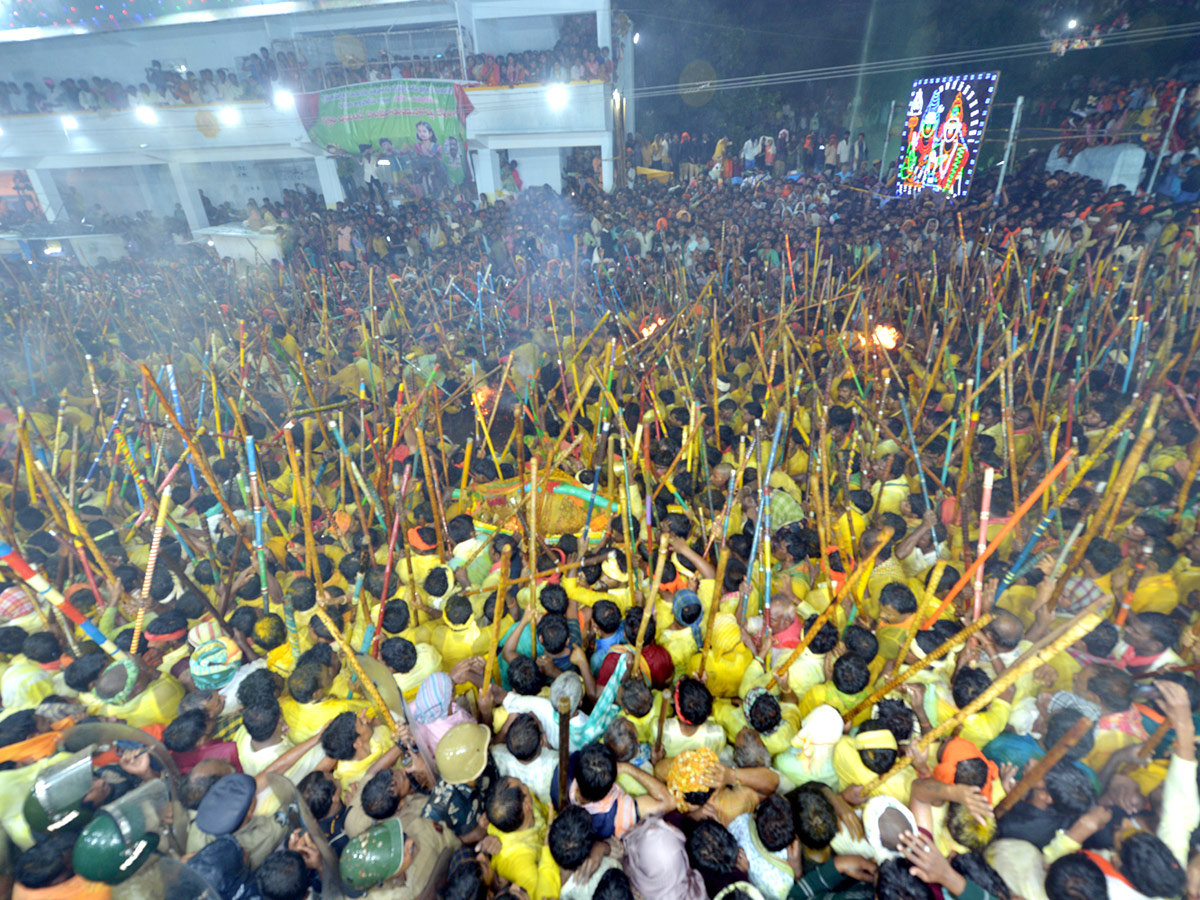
<point>164,504</point>
<point>497,614</point>
<point>1037,772</point>
<point>884,536</point>
<point>1044,650</point>
<point>351,659</point>
<point>564,750</point>
<point>920,665</point>
<point>1012,522</point>
<point>1147,749</point>
<point>648,606</point>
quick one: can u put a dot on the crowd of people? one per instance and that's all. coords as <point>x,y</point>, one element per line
<point>574,57</point>
<point>1099,112</point>
<point>755,539</point>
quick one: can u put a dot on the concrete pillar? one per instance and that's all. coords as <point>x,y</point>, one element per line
<point>331,185</point>
<point>189,198</point>
<point>604,26</point>
<point>487,171</point>
<point>606,162</point>
<point>46,191</point>
<point>159,203</point>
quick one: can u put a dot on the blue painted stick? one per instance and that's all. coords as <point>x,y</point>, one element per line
<point>259,546</point>
<point>764,480</point>
<point>179,412</point>
<point>104,445</point>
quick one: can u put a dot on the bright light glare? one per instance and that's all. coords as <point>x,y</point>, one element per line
<point>285,100</point>
<point>228,116</point>
<point>637,36</point>
<point>1072,23</point>
<point>70,123</point>
<point>557,97</point>
<point>146,115</point>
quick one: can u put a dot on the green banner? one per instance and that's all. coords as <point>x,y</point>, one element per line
<point>415,127</point>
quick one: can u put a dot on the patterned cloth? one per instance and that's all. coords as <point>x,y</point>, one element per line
<point>1077,593</point>
<point>689,774</point>
<point>459,806</point>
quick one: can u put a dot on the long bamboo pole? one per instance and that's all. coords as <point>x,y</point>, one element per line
<point>1037,655</point>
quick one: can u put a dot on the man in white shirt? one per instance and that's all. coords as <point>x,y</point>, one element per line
<point>524,757</point>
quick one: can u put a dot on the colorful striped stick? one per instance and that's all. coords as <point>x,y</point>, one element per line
<point>364,485</point>
<point>141,488</point>
<point>45,591</point>
<point>391,561</point>
<point>62,408</point>
<point>764,477</point>
<point>300,487</point>
<point>949,450</point>
<point>985,513</point>
<point>1016,569</point>
<point>107,439</point>
<point>1012,523</point>
<point>164,504</point>
<point>179,412</point>
<point>256,497</point>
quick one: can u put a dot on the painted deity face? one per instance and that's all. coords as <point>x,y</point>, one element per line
<point>954,119</point>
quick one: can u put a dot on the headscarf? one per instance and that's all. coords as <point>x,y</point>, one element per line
<point>656,862</point>
<point>871,815</point>
<point>432,712</point>
<point>433,699</point>
<point>818,735</point>
<point>727,637</point>
<point>131,674</point>
<point>849,765</point>
<point>689,774</point>
<point>681,601</point>
<point>214,664</point>
<point>957,750</point>
<point>413,535</point>
<point>15,603</point>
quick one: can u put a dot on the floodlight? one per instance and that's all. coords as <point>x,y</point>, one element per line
<point>557,97</point>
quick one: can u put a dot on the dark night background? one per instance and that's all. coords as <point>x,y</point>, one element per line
<point>756,37</point>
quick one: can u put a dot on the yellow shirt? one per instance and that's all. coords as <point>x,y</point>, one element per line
<point>981,727</point>
<point>307,719</point>
<point>349,772</point>
<point>1155,593</point>
<point>888,495</point>
<point>525,860</point>
<point>459,642</point>
<point>681,644</point>
<point>429,660</point>
<point>825,692</point>
<point>156,705</point>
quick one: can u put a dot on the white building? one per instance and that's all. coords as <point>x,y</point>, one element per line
<point>151,158</point>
